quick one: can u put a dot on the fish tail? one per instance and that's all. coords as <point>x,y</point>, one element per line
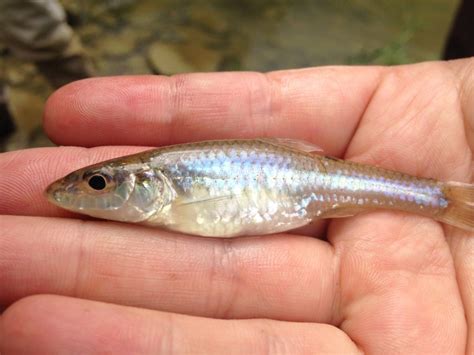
<point>460,210</point>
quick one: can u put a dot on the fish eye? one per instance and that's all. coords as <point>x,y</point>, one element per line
<point>97,182</point>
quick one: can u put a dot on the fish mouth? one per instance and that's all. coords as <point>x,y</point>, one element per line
<point>58,192</point>
<point>53,191</point>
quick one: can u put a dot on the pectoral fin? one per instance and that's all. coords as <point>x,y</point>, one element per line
<point>206,200</point>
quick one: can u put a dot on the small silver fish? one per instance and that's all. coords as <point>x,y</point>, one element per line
<point>232,188</point>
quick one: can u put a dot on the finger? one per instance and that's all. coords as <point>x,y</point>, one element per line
<point>79,326</point>
<point>281,277</point>
<point>322,105</point>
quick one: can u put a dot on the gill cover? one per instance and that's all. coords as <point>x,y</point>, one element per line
<point>114,192</point>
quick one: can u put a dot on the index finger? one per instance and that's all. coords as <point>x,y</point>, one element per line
<point>322,105</point>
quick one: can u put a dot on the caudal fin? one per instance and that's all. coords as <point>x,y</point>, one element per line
<point>460,210</point>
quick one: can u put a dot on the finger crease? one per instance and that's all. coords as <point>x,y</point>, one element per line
<point>364,111</point>
<point>79,236</point>
<point>223,276</point>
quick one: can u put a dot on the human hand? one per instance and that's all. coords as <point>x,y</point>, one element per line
<point>379,282</point>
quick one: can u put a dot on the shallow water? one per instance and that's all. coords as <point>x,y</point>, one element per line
<point>175,36</point>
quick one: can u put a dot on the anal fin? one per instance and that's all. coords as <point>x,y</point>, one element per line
<point>340,212</point>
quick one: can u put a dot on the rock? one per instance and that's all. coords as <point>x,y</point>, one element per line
<point>182,58</point>
<point>146,14</point>
<point>137,64</point>
<point>19,72</point>
<point>26,108</point>
<point>18,140</point>
<point>209,19</point>
<point>90,33</point>
<point>117,44</point>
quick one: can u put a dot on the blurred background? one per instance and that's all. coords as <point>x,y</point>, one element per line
<point>47,43</point>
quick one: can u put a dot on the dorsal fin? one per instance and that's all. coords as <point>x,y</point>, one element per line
<point>294,144</point>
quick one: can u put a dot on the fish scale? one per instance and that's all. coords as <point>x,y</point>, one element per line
<point>244,181</point>
<point>252,187</point>
<point>244,187</point>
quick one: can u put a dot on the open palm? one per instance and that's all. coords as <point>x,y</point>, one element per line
<point>379,282</point>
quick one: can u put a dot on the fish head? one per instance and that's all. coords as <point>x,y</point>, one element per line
<point>127,192</point>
